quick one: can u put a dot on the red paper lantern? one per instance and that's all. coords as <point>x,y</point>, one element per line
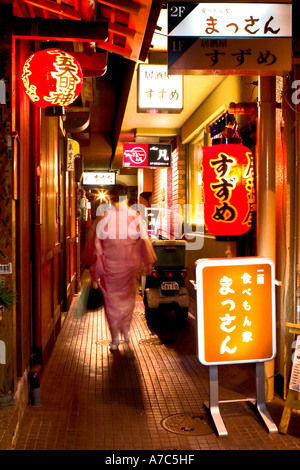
<point>228,182</point>
<point>52,77</point>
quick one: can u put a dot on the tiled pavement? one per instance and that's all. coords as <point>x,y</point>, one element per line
<point>93,399</point>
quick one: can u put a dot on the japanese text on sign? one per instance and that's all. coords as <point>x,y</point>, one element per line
<point>157,89</point>
<point>262,57</point>
<point>98,178</point>
<point>189,54</point>
<point>229,19</point>
<point>146,155</point>
<point>224,37</point>
<point>67,79</point>
<point>226,184</point>
<point>236,310</point>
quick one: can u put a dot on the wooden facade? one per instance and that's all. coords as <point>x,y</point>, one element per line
<point>38,203</point>
<point>43,249</point>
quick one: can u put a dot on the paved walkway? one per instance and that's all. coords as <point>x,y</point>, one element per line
<point>149,398</point>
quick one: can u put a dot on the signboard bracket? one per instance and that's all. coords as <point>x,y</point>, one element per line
<point>213,405</point>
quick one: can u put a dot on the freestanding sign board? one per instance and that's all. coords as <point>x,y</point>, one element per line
<point>236,322</point>
<point>236,310</point>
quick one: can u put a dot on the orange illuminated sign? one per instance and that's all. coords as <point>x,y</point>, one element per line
<point>235,310</point>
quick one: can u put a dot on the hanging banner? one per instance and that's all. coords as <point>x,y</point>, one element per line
<point>73,150</point>
<point>229,38</point>
<point>147,155</point>
<point>236,310</point>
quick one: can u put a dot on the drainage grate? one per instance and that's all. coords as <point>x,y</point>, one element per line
<point>188,425</point>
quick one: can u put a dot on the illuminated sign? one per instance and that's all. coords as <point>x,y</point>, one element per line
<point>228,182</point>
<point>157,90</point>
<point>98,178</point>
<point>72,151</point>
<point>243,38</point>
<point>235,310</point>
<point>230,19</point>
<point>52,77</point>
<point>146,155</point>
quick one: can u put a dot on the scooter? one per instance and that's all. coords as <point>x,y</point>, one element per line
<point>164,289</point>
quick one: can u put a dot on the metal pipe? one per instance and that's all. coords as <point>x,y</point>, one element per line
<point>266,204</point>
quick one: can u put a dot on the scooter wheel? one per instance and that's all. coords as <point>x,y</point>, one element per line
<point>181,315</point>
<point>150,313</point>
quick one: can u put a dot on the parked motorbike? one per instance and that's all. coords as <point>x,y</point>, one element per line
<point>164,288</point>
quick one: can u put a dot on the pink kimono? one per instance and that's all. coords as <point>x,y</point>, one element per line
<point>117,247</point>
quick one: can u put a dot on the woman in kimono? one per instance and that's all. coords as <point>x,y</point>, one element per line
<point>117,247</point>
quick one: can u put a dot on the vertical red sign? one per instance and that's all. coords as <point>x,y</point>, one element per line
<point>228,189</point>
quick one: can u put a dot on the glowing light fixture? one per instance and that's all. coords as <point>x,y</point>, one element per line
<point>229,195</point>
<point>101,196</point>
<point>52,78</point>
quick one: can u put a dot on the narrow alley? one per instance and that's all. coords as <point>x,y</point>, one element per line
<point>149,397</point>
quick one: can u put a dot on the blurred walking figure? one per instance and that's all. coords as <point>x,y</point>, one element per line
<point>116,249</point>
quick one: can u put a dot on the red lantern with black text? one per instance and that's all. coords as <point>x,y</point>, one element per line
<point>229,196</point>
<point>52,77</point>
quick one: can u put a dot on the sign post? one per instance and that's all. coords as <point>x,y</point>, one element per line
<point>236,323</point>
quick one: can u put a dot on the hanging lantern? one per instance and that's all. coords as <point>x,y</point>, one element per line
<point>229,197</point>
<point>52,78</point>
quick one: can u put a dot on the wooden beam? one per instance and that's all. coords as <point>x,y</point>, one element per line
<point>122,30</point>
<point>109,47</point>
<point>59,9</point>
<point>65,30</point>
<point>19,9</point>
<point>123,5</point>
